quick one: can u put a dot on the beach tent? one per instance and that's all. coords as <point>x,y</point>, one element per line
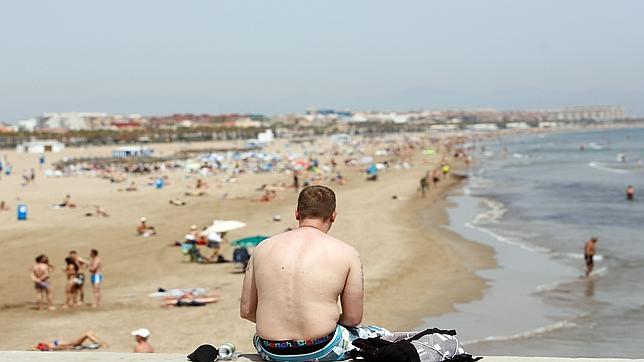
<point>222,226</point>
<point>249,241</point>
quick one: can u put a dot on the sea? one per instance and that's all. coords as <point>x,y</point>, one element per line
<point>536,199</point>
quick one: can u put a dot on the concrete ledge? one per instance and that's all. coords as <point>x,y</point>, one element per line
<point>133,357</point>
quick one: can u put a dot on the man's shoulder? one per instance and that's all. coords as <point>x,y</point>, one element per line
<point>343,247</point>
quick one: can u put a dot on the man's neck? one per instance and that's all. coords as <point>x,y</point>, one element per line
<point>316,224</point>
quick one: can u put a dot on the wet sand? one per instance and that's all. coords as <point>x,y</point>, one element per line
<point>411,261</point>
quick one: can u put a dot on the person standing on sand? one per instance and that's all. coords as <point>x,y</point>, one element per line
<point>589,254</point>
<point>141,336</point>
<point>40,276</point>
<point>424,185</point>
<point>73,283</point>
<point>82,263</point>
<point>292,285</point>
<point>630,193</point>
<point>96,277</point>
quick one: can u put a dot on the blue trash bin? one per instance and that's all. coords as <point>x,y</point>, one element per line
<point>22,212</point>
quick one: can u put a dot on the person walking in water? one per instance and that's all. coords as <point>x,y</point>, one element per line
<point>589,254</point>
<point>630,193</point>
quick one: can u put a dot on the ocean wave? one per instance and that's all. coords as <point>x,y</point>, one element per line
<point>495,212</point>
<point>598,257</point>
<point>603,167</point>
<point>568,323</point>
<point>509,241</point>
<point>595,146</point>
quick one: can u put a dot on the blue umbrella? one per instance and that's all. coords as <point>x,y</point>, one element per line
<point>249,241</point>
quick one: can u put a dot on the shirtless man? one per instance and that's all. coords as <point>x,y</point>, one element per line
<point>589,253</point>
<point>141,336</point>
<point>96,276</point>
<point>630,193</point>
<point>40,276</point>
<point>292,285</point>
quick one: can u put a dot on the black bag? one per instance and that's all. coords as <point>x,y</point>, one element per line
<point>431,345</point>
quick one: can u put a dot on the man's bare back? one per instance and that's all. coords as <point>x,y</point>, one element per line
<point>293,284</point>
<point>311,269</point>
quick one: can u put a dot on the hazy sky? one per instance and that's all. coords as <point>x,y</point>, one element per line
<point>160,57</point>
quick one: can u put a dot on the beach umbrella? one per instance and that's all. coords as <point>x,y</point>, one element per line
<point>429,152</point>
<point>222,226</point>
<point>249,241</point>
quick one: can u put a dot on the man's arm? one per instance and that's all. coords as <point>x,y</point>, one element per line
<point>33,275</point>
<point>248,304</point>
<point>352,297</point>
<point>82,262</point>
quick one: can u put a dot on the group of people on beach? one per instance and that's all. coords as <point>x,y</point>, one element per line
<point>74,281</point>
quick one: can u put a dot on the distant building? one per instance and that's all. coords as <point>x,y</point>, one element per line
<point>517,125</point>
<point>28,125</point>
<point>40,146</point>
<point>483,127</point>
<point>132,151</point>
<point>588,113</point>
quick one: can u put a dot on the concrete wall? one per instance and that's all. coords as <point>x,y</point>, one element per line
<point>132,357</point>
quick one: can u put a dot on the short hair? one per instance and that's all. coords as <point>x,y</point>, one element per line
<point>94,251</point>
<point>316,202</point>
<point>73,252</point>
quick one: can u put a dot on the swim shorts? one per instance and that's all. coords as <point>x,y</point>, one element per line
<point>41,285</point>
<point>589,259</point>
<point>336,347</point>
<point>96,279</point>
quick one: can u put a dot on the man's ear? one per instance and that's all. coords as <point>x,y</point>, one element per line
<point>297,215</point>
<point>333,216</point>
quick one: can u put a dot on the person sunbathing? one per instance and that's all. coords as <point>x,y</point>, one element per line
<point>190,301</point>
<point>177,202</point>
<point>67,202</point>
<point>78,343</point>
<point>132,187</point>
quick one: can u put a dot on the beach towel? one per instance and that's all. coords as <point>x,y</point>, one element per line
<point>430,345</point>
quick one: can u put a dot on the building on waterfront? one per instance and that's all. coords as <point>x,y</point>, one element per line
<point>132,151</point>
<point>40,146</point>
<point>588,113</point>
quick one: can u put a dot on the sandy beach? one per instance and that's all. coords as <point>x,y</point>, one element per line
<point>411,261</point>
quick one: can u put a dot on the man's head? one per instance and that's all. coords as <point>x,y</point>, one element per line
<point>93,253</point>
<point>593,239</point>
<point>73,254</point>
<point>316,203</point>
<point>141,334</point>
<point>41,258</point>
